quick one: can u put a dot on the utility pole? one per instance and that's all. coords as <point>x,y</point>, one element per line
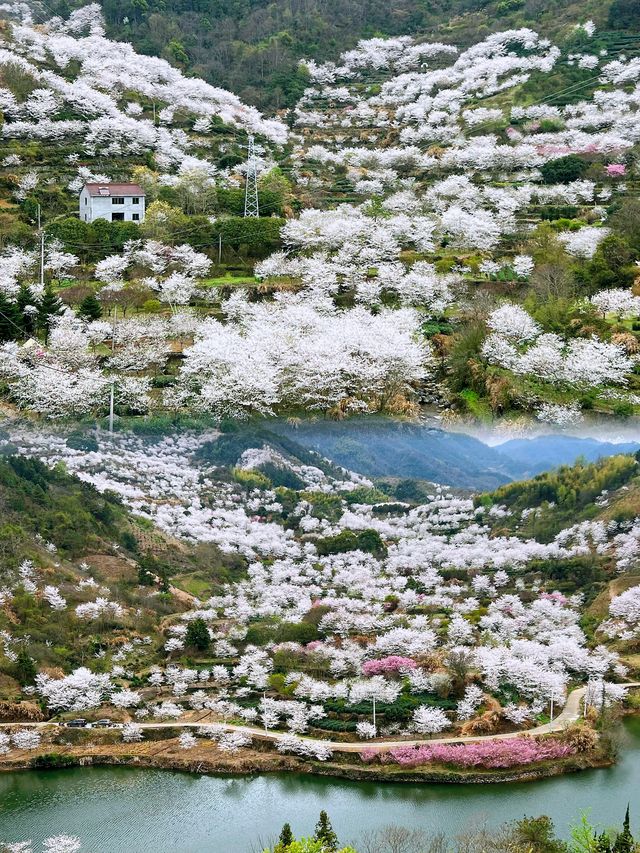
<point>220,249</point>
<point>586,702</point>
<point>374,713</point>
<point>113,330</point>
<point>251,203</point>
<point>111,398</point>
<point>42,260</point>
<point>41,236</point>
<point>113,381</point>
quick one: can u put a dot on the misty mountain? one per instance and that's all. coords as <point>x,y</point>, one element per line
<point>548,451</point>
<point>380,447</point>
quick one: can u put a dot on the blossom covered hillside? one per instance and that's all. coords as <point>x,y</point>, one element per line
<point>512,188</point>
<point>254,49</point>
<point>440,225</point>
<point>90,107</point>
<point>322,594</point>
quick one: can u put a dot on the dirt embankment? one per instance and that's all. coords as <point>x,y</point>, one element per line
<point>167,755</point>
<point>20,712</point>
<point>206,757</point>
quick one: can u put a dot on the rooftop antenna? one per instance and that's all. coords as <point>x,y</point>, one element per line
<point>251,205</point>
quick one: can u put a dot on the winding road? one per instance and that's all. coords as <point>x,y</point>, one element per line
<point>569,714</point>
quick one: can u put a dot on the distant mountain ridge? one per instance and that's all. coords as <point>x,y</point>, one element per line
<point>379,447</point>
<point>548,451</point>
<point>384,448</point>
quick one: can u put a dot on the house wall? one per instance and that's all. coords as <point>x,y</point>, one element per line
<point>102,207</point>
<point>85,206</point>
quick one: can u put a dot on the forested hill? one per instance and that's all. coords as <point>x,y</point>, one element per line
<point>253,46</point>
<point>607,490</point>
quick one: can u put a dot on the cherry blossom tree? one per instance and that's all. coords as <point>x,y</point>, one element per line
<point>427,720</point>
<point>187,741</point>
<point>27,739</point>
<point>132,733</point>
<point>79,691</point>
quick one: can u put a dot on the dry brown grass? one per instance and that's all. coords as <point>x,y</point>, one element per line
<point>487,723</point>
<point>109,568</point>
<point>599,607</point>
<point>20,711</point>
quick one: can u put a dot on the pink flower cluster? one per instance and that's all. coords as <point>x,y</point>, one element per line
<point>555,150</point>
<point>393,663</point>
<point>615,170</point>
<point>510,752</point>
<point>556,596</point>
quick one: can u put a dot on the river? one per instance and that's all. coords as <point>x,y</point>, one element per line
<point>124,810</point>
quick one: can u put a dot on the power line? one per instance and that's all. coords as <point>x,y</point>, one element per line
<point>21,330</point>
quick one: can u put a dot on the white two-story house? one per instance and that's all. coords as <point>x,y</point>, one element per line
<point>113,202</point>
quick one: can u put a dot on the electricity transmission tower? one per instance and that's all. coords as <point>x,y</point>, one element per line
<point>251,205</point>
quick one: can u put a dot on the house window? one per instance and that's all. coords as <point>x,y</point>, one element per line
<point>117,199</point>
<point>86,200</point>
<point>135,200</point>
<point>117,217</point>
<point>135,217</point>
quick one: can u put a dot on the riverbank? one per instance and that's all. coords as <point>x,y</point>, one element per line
<point>206,758</point>
<point>161,749</point>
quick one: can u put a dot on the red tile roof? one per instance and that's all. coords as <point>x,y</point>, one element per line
<point>114,189</point>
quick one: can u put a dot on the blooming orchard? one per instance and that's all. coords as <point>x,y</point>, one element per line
<point>446,176</point>
<point>329,605</point>
<point>432,613</point>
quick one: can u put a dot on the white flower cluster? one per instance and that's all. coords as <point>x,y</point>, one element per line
<point>517,343</point>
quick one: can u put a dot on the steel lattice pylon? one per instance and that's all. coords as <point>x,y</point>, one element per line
<point>251,203</point>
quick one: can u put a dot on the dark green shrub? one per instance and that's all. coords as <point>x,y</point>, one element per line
<point>563,170</point>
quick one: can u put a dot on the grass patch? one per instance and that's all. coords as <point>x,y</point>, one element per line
<point>195,584</point>
<point>229,280</point>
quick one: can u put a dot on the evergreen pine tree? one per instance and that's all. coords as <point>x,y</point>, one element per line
<point>25,668</point>
<point>624,842</point>
<point>164,579</point>
<point>10,320</point>
<point>90,308</point>
<point>147,570</point>
<point>286,836</point>
<point>198,634</point>
<point>50,307</point>
<point>324,833</point>
<point>603,845</point>
<point>28,316</point>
